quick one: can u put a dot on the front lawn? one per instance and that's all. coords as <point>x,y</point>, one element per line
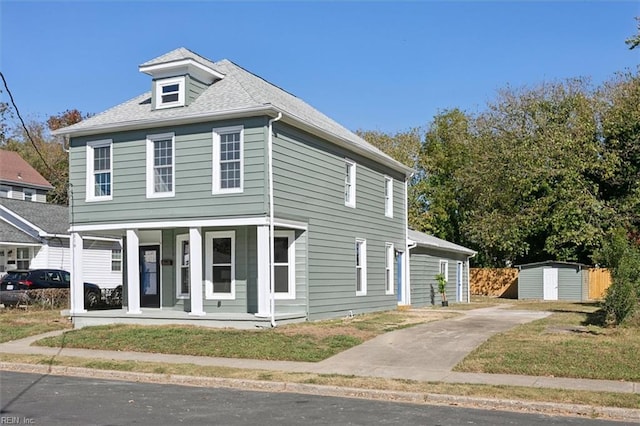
<point>17,323</point>
<point>569,343</point>
<point>311,341</point>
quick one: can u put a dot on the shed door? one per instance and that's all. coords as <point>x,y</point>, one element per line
<point>550,284</point>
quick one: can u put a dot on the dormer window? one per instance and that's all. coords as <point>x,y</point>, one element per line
<point>170,92</point>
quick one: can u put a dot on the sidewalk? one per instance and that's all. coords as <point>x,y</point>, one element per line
<point>425,352</point>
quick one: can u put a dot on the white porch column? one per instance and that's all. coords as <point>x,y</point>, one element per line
<point>195,271</point>
<point>76,292</point>
<point>133,272</point>
<point>264,301</point>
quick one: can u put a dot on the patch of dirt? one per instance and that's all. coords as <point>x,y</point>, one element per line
<point>571,329</point>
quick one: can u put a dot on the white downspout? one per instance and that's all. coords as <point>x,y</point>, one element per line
<point>272,294</point>
<point>407,248</point>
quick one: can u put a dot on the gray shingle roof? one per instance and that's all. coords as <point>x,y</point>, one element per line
<point>426,240</point>
<point>238,92</point>
<point>178,55</point>
<point>51,218</point>
<point>11,234</point>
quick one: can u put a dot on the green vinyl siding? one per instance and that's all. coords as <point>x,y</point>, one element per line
<point>530,283</point>
<point>569,283</point>
<point>425,265</point>
<point>194,88</point>
<point>309,187</point>
<point>193,177</point>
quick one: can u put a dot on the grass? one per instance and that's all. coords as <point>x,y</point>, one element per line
<point>568,343</point>
<point>20,323</point>
<point>311,341</point>
<point>607,399</point>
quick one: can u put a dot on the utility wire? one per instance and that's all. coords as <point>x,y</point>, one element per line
<point>24,126</point>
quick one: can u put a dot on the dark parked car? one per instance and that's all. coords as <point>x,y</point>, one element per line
<point>15,285</point>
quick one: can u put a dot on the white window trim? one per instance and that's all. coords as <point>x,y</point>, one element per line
<point>215,173</point>
<point>388,196</point>
<point>351,202</point>
<point>90,195</point>
<point>32,193</point>
<point>23,259</point>
<point>291,263</point>
<point>389,267</point>
<point>446,269</point>
<point>209,236</point>
<point>179,240</point>
<point>159,84</point>
<point>116,260</point>
<point>8,189</point>
<point>151,139</point>
<point>363,267</point>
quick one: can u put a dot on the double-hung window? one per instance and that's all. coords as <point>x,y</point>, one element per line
<point>182,270</point>
<point>220,265</point>
<point>169,92</point>
<point>28,194</point>
<point>99,170</point>
<point>284,265</point>
<point>228,162</point>
<point>361,267</point>
<point>388,196</point>
<point>444,269</point>
<point>22,258</point>
<point>388,268</point>
<point>160,165</point>
<point>350,183</point>
<point>116,260</point>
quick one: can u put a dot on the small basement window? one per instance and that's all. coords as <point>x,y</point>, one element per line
<point>170,92</point>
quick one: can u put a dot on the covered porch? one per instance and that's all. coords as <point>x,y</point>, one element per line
<point>210,273</point>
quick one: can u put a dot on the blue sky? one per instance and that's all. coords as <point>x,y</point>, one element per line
<point>385,66</point>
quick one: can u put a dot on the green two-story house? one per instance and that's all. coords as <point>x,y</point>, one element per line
<point>237,203</point>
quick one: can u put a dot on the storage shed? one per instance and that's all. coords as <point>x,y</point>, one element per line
<point>553,281</point>
<point>429,256</point>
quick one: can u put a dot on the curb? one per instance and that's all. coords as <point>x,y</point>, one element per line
<point>547,408</point>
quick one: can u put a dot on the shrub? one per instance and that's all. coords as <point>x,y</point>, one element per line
<point>623,259</point>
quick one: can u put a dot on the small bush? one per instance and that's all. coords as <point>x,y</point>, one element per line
<point>619,302</point>
<point>48,298</point>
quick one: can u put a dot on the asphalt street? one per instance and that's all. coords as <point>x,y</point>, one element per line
<point>59,400</point>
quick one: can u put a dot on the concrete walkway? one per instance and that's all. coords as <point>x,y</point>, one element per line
<point>426,352</point>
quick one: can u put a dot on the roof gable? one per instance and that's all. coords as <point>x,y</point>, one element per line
<point>40,217</point>
<point>15,170</point>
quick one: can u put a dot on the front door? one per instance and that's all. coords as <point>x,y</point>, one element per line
<point>149,276</point>
<point>399,263</point>
<point>459,281</point>
<point>550,284</point>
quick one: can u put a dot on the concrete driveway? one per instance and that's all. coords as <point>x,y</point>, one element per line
<point>427,351</point>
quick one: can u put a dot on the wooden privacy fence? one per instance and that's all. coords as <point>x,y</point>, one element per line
<point>599,282</point>
<point>503,282</point>
<point>500,282</point>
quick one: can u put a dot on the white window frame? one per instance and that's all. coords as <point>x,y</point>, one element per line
<point>350,183</point>
<point>388,196</point>
<point>215,174</point>
<point>8,189</point>
<point>31,192</point>
<point>19,259</point>
<point>180,263</point>
<point>116,259</point>
<point>151,187</point>
<point>362,267</point>
<point>209,293</point>
<point>389,262</point>
<point>159,84</point>
<point>444,270</point>
<point>291,263</point>
<point>90,181</point>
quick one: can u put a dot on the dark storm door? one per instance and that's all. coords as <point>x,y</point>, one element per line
<point>149,276</point>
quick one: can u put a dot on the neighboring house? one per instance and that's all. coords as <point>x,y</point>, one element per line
<point>430,256</point>
<point>553,280</point>
<point>35,235</point>
<point>20,181</point>
<point>238,203</point>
